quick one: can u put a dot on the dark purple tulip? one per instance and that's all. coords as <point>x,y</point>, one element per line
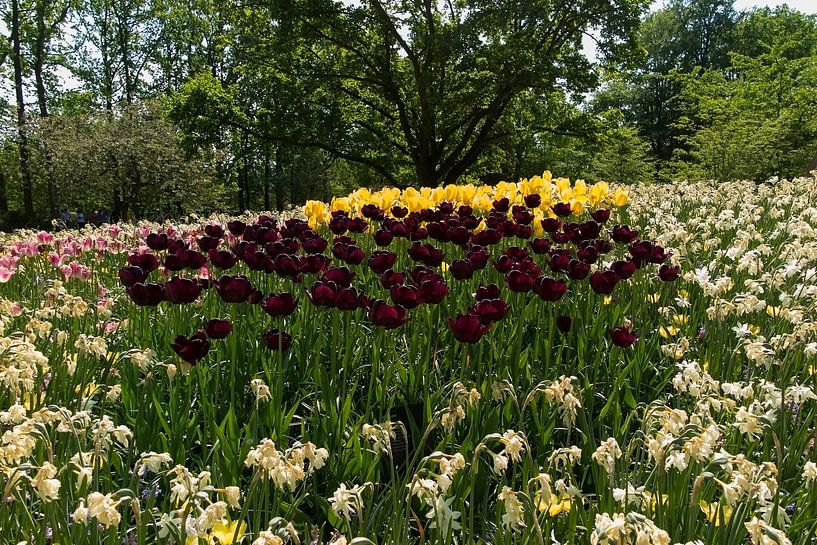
<point>323,293</point>
<point>372,212</point>
<point>491,291</point>
<point>438,231</point>
<point>446,207</point>
<point>277,340</point>
<point>624,269</point>
<point>381,260</point>
<point>175,245</point>
<point>279,304</point>
<point>667,273</point>
<point>222,259</point>
<point>388,317</point>
<point>587,254</point>
<point>468,328</point>
<point>342,276</point>
<point>339,224</point>
<point>518,281</point>
<point>461,269</point>
<point>578,270</point>
<point>601,215</point>
<point>540,245</point>
<point>433,290</point>
<point>234,289</point>
<point>408,297</point>
<point>603,246</point>
<point>560,260</point>
<point>460,235</point>
<point>173,262</point>
<point>623,337</point>
<point>399,211</point>
<point>560,238</point>
<point>191,259</point>
<point>214,230</point>
<point>603,282</point>
<point>357,225</point>
<point>146,262</point>
<point>640,250</point>
<point>502,205</point>
<point>504,264</point>
<point>191,349</point>
<point>258,261</point>
<point>314,263</point>
<point>549,289</point>
<point>522,216</point>
<point>383,237</point>
<point>478,258</point>
<point>623,234</point>
<point>589,230</point>
<point>564,323</point>
<point>132,275</point>
<point>181,290</point>
<point>146,295</point>
<point>391,278</point>
<point>658,254</point>
<point>490,310</point>
<point>398,229</point>
<point>421,272</point>
<point>347,299</point>
<point>562,209</point>
<point>218,329</point>
<point>533,200</point>
<point>157,241</point>
<point>315,244</point>
<point>287,265</point>
<point>207,243</point>
<point>236,227</point>
<point>551,225</point>
<point>487,237</point>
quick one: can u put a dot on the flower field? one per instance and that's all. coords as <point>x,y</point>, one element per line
<point>538,362</point>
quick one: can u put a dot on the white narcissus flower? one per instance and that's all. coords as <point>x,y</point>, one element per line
<point>809,472</point>
<point>44,483</point>
<point>233,495</point>
<point>514,517</point>
<point>104,508</point>
<point>347,501</point>
<point>266,537</point>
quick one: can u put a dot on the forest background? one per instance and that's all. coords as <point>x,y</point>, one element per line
<point>160,108</point>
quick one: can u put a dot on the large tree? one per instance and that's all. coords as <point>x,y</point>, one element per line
<point>418,90</point>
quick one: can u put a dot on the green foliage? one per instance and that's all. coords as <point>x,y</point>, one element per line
<point>130,159</point>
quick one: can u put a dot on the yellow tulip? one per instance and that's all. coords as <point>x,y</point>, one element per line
<point>620,198</point>
<point>555,506</point>
<point>716,513</point>
<point>32,402</point>
<point>667,332</point>
<point>224,533</point>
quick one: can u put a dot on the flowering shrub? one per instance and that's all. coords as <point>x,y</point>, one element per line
<point>540,362</point>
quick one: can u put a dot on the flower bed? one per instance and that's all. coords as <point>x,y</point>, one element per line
<point>536,362</point>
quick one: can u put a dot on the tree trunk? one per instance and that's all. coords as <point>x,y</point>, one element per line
<point>42,100</point>
<point>116,213</point>
<point>266,177</point>
<point>25,168</point>
<point>279,178</point>
<point>123,36</point>
<point>4,201</point>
